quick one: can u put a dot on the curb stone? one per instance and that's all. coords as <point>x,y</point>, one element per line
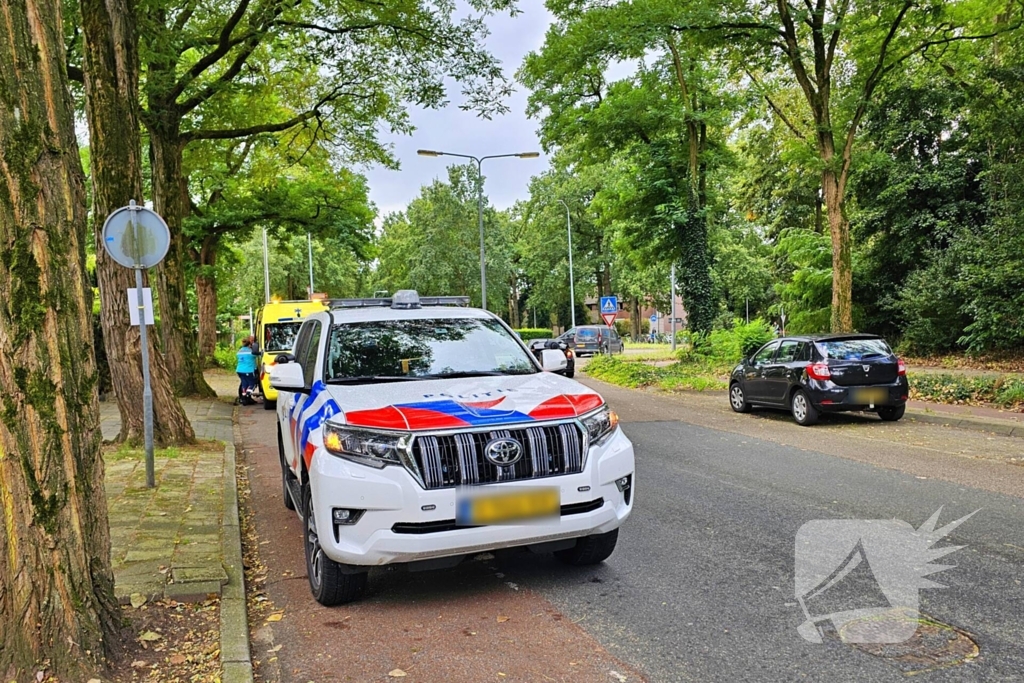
<point>235,657</point>
<point>970,423</point>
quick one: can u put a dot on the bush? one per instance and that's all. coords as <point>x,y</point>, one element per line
<point>224,357</point>
<point>528,333</point>
<point>752,336</point>
<point>729,345</point>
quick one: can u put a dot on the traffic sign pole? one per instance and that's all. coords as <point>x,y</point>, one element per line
<point>147,389</point>
<point>138,238</point>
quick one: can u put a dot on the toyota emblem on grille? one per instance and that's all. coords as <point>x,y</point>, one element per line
<point>503,452</point>
<point>867,368</point>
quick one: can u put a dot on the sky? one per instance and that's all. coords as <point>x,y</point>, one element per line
<point>454,130</point>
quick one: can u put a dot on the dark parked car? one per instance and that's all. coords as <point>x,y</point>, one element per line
<point>822,373</point>
<point>538,345</point>
<point>591,339</point>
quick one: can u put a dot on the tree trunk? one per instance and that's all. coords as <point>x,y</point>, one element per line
<point>57,606</point>
<point>842,252</point>
<point>634,318</point>
<point>206,296</point>
<point>111,89</point>
<point>170,201</point>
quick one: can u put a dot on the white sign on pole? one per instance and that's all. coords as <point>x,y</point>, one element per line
<point>133,305</point>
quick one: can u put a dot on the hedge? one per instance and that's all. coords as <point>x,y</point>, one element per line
<point>528,333</point>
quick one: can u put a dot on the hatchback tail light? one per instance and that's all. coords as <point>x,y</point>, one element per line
<point>901,367</point>
<point>819,371</point>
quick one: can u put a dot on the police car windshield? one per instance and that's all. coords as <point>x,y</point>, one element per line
<point>424,349</point>
<point>280,336</point>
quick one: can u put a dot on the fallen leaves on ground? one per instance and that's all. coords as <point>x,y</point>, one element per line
<point>397,673</point>
<point>174,643</point>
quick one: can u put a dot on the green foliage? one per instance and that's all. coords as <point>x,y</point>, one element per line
<point>528,333</point>
<point>1003,390</point>
<point>433,246</point>
<point>728,346</point>
<point>225,357</point>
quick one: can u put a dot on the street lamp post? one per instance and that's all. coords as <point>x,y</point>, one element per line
<point>572,291</point>
<point>479,201</point>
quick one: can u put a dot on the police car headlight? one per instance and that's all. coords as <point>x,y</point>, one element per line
<point>600,424</point>
<point>376,449</point>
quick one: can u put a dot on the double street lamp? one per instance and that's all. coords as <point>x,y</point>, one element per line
<point>479,201</point>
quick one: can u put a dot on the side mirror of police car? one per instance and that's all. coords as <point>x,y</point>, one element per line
<point>288,377</point>
<point>552,360</point>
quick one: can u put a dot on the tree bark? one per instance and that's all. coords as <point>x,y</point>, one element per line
<point>56,586</point>
<point>111,71</point>
<point>842,252</point>
<point>170,200</point>
<point>206,296</point>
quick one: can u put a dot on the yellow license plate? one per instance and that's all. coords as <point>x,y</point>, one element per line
<point>871,396</point>
<point>475,509</point>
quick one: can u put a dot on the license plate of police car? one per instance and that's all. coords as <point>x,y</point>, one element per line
<point>871,396</point>
<point>475,508</point>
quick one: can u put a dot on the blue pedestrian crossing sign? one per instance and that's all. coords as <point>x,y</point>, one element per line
<point>609,304</point>
<point>654,318</point>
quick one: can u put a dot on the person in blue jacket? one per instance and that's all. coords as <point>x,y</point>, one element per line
<point>246,369</point>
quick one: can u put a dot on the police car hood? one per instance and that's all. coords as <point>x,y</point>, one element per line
<point>454,403</point>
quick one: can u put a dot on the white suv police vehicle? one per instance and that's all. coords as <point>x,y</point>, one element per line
<point>418,431</point>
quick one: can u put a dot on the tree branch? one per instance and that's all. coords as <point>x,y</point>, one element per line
<point>224,45</point>
<point>778,110</point>
<point>232,133</point>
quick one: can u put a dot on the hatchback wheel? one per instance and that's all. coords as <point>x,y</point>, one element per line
<point>737,399</point>
<point>803,411</point>
<point>891,413</point>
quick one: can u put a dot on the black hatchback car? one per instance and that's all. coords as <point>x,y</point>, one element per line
<point>822,373</point>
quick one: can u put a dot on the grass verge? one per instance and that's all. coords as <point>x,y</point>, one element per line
<point>678,376</point>
<point>1005,391</point>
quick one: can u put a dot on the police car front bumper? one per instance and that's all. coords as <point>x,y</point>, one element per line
<point>390,499</point>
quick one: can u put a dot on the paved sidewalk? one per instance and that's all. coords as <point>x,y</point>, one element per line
<point>211,419</point>
<point>167,541</point>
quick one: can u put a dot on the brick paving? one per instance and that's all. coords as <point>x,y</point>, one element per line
<point>166,541</point>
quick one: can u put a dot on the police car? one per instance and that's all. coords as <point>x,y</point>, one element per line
<point>418,431</point>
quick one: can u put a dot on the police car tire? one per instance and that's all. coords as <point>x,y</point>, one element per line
<point>336,586</point>
<point>268,404</point>
<point>285,473</point>
<point>593,549</point>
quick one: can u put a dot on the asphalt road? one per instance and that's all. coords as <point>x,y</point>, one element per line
<point>701,587</point>
<point>702,584</point>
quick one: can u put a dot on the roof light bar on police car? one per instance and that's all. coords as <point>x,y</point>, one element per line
<point>402,300</point>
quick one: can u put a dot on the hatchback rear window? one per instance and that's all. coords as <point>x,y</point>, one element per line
<point>853,349</point>
<point>586,334</point>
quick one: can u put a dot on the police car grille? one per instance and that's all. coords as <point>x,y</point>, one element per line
<point>458,459</point>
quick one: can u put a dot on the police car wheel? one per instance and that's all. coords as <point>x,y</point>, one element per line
<point>328,581</point>
<point>286,474</point>
<point>593,549</point>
